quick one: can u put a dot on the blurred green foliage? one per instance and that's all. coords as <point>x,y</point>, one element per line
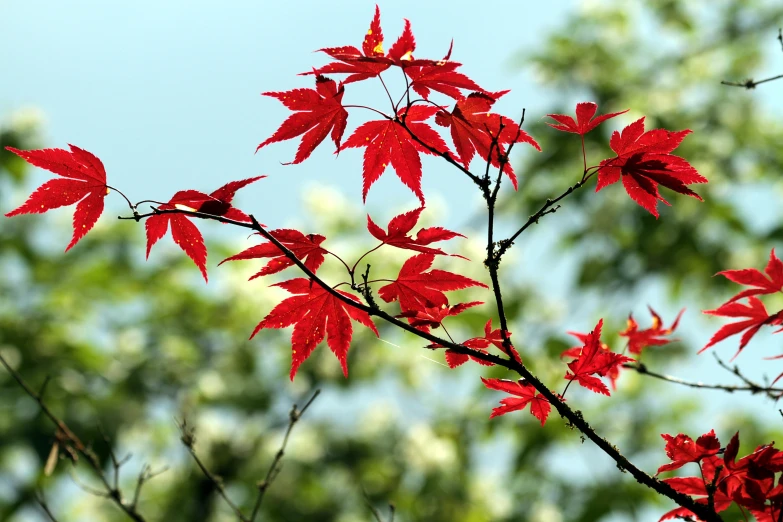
<point>132,345</point>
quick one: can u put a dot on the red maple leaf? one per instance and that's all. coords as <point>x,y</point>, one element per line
<point>441,77</point>
<point>433,316</point>
<point>644,161</point>
<point>358,64</point>
<point>575,351</point>
<point>757,316</point>
<point>389,142</point>
<point>416,289</point>
<point>399,229</point>
<point>370,61</point>
<point>594,361</point>
<point>315,314</point>
<point>682,449</point>
<point>584,119</point>
<point>473,129</point>
<point>524,393</point>
<point>319,111</point>
<point>185,234</point>
<point>638,340</point>
<point>754,278</point>
<point>83,181</point>
<point>305,247</point>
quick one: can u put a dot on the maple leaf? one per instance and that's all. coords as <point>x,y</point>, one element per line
<point>389,142</point>
<point>358,64</point>
<point>524,393</point>
<point>638,340</point>
<point>441,77</point>
<point>305,247</point>
<point>644,161</point>
<point>399,229</point>
<point>757,317</point>
<point>682,449</point>
<point>318,111</point>
<point>83,181</point>
<point>370,61</point>
<point>584,119</point>
<point>473,129</point>
<point>185,234</point>
<point>416,289</point>
<point>754,278</point>
<point>576,351</point>
<point>433,316</point>
<point>315,314</point>
<point>594,361</point>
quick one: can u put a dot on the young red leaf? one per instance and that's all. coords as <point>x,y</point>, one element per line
<point>473,128</point>
<point>757,317</point>
<point>441,77</point>
<point>83,181</point>
<point>305,247</point>
<point>185,234</point>
<point>644,161</point>
<point>524,394</point>
<point>433,316</point>
<point>754,278</point>
<point>399,229</point>
<point>638,340</point>
<point>315,314</point>
<point>388,142</point>
<point>682,449</point>
<point>584,119</point>
<point>416,289</point>
<point>594,361</point>
<point>318,111</point>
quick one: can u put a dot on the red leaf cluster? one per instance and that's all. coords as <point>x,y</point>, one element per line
<point>750,481</point>
<point>594,361</point>
<point>638,340</point>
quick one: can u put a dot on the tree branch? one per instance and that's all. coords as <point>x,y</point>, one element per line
<point>74,444</point>
<point>751,387</point>
<point>574,417</point>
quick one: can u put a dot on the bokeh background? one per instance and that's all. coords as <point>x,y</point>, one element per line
<point>167,95</point>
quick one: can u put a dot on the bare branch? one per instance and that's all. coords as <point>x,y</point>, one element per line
<point>751,387</point>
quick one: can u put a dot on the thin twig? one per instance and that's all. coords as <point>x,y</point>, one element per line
<point>736,371</point>
<point>41,500</point>
<point>750,83</point>
<point>751,387</point>
<point>274,468</point>
<point>188,439</point>
<point>74,445</point>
